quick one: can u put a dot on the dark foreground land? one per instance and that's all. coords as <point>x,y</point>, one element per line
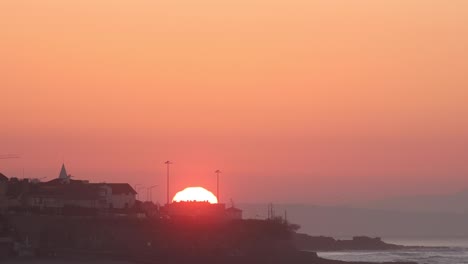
<point>292,258</point>
<point>60,239</point>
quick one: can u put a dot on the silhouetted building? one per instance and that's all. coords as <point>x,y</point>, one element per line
<point>233,213</point>
<point>3,192</point>
<point>3,185</point>
<point>16,190</point>
<point>48,195</point>
<point>120,195</point>
<point>81,194</point>
<point>3,178</point>
<point>195,209</point>
<point>64,191</point>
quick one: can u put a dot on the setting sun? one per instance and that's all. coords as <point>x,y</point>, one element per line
<point>198,194</point>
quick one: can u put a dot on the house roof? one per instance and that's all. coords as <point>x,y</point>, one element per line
<point>233,209</point>
<point>60,181</point>
<point>3,177</point>
<point>121,188</point>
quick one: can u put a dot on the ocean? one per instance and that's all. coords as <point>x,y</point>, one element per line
<point>439,251</point>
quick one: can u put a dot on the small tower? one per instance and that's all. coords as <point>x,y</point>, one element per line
<point>63,174</point>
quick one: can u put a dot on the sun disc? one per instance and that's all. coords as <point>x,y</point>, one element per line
<point>198,194</point>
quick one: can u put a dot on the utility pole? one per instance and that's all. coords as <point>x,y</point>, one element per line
<point>217,185</point>
<point>168,163</point>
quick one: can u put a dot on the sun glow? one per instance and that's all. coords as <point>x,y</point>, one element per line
<point>198,194</point>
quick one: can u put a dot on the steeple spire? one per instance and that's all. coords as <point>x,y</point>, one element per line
<point>63,173</point>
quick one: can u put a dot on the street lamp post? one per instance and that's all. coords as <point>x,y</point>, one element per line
<point>168,163</point>
<point>217,185</point>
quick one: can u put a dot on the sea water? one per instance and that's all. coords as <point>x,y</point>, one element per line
<point>436,251</point>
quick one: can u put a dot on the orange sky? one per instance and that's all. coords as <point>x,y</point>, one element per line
<point>308,101</point>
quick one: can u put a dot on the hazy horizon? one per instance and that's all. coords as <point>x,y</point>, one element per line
<point>378,202</point>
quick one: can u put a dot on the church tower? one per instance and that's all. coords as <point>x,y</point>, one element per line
<point>63,174</point>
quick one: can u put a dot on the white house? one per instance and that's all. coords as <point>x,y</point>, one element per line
<point>121,195</point>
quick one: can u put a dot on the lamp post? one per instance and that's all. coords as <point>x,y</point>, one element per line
<point>217,185</point>
<point>168,163</point>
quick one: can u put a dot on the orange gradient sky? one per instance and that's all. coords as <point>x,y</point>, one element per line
<point>322,101</point>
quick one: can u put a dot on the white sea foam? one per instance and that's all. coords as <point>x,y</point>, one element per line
<point>450,255</point>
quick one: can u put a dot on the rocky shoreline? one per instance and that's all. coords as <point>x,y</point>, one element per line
<point>323,243</point>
